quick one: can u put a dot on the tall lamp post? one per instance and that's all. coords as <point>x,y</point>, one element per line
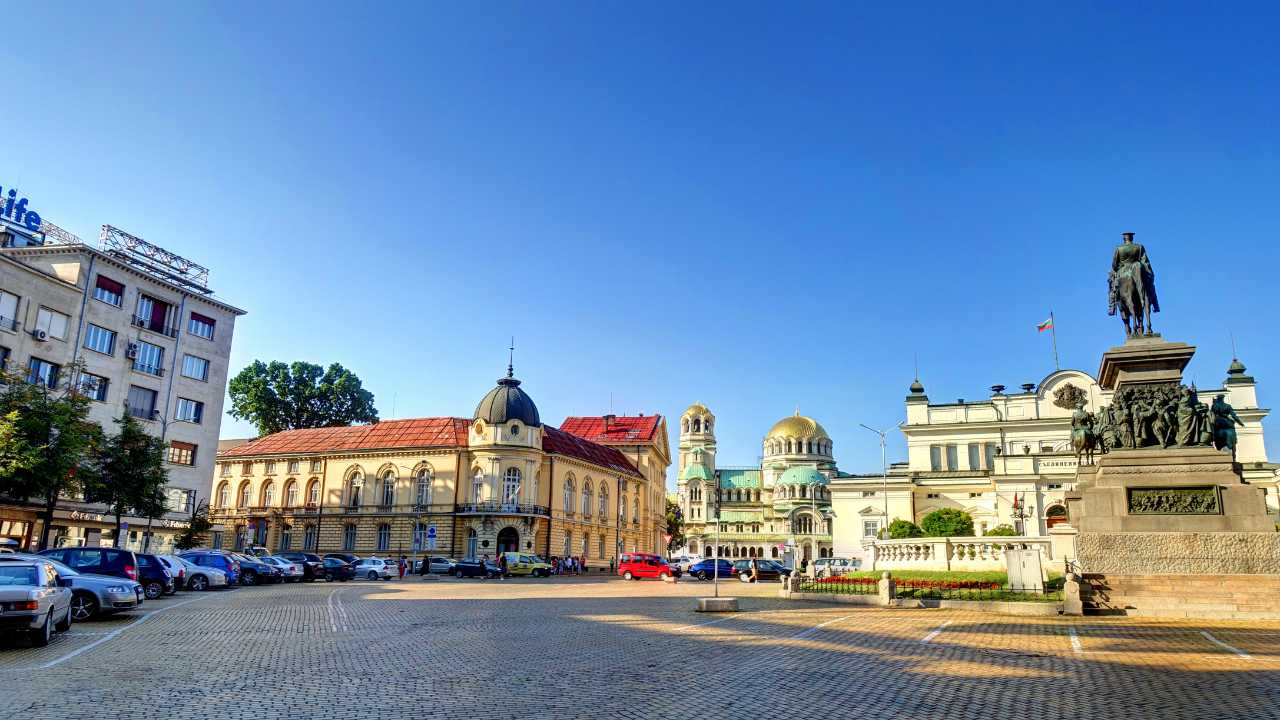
<point>884,477</point>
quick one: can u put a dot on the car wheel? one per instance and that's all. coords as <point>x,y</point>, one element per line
<point>328,577</point>
<point>702,575</point>
<point>628,576</point>
<point>153,590</point>
<point>249,578</point>
<point>457,574</point>
<point>41,636</point>
<point>65,624</point>
<point>745,578</point>
<point>373,575</point>
<point>83,607</point>
<point>198,583</point>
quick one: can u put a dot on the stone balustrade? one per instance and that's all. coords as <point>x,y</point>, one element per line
<point>957,553</point>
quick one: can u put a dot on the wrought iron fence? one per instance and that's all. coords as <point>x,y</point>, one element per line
<point>976,590</point>
<point>840,585</point>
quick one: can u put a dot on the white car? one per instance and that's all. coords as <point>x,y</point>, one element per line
<point>828,567</point>
<point>374,568</point>
<point>289,571</point>
<point>685,561</point>
<point>199,577</point>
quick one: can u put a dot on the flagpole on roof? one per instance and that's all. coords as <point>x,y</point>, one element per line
<point>1053,328</point>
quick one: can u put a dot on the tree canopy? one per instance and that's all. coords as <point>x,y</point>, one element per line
<point>131,473</point>
<point>275,397</point>
<point>675,525</point>
<point>900,529</point>
<point>947,522</point>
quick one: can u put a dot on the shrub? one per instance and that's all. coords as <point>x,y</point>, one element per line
<point>899,529</point>
<point>947,522</point>
<point>1002,531</point>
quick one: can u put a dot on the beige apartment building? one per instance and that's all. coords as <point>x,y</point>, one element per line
<point>134,327</point>
<point>498,481</point>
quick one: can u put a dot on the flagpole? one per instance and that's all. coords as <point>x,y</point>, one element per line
<point>1053,328</point>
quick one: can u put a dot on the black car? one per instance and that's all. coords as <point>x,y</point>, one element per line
<point>767,570</point>
<point>255,572</point>
<point>349,558</point>
<point>154,576</point>
<point>335,568</point>
<point>312,564</point>
<point>475,568</point>
<point>99,561</point>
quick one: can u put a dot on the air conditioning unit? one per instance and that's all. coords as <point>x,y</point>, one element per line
<point>131,352</point>
<point>40,335</point>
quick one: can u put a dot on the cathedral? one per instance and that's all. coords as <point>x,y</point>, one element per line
<point>780,509</point>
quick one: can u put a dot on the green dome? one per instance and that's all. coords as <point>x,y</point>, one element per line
<point>696,471</point>
<point>802,476</point>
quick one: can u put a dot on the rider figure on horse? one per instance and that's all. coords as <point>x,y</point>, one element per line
<point>1132,287</point>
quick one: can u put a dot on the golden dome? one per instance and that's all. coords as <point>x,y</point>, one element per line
<point>698,409</point>
<point>798,426</point>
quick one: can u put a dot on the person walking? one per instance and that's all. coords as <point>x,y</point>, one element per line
<point>502,566</point>
<point>403,565</point>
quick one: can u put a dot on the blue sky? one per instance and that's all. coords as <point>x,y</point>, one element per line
<point>754,206</point>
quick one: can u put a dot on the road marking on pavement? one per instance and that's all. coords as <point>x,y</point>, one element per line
<point>1076,647</point>
<point>328,604</point>
<point>704,624</point>
<point>935,632</point>
<point>113,633</point>
<point>1230,648</point>
<point>816,628</point>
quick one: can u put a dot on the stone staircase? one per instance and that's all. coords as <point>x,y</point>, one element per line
<point>1182,596</point>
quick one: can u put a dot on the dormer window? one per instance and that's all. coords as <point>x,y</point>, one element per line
<point>515,430</point>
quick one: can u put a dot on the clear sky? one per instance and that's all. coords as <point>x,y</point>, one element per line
<point>754,206</point>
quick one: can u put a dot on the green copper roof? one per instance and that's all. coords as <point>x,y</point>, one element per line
<point>802,476</point>
<point>696,471</point>
<point>740,516</point>
<point>739,478</point>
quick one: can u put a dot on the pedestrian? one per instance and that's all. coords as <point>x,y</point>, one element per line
<point>403,566</point>
<point>502,566</point>
<point>610,564</point>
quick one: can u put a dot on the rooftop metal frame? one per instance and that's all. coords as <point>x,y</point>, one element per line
<point>154,260</point>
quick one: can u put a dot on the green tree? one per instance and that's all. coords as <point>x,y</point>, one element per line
<point>947,522</point>
<point>1004,530</point>
<point>275,397</point>
<point>16,454</point>
<point>131,473</point>
<point>197,528</point>
<point>900,529</point>
<point>54,424</point>
<point>675,525</point>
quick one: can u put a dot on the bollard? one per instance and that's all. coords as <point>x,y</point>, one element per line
<point>886,588</point>
<point>1072,604</point>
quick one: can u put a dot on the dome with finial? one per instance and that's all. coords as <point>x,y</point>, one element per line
<point>798,427</point>
<point>1236,373</point>
<point>916,387</point>
<point>508,402</point>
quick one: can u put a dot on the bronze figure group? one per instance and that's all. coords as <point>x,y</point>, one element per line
<point>1157,415</point>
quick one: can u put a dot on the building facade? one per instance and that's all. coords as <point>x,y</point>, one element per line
<point>780,509</point>
<point>498,481</point>
<point>135,328</point>
<point>1007,459</point>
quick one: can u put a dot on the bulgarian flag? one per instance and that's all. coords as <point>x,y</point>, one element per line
<point>1046,325</point>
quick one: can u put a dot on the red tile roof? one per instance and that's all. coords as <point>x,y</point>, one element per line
<point>389,434</point>
<point>623,430</point>
<point>562,443</point>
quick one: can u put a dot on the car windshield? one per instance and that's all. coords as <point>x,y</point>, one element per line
<point>17,575</point>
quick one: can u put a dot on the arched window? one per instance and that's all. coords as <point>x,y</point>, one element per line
<point>422,487</point>
<point>268,494</point>
<point>635,511</point>
<point>384,536</point>
<point>684,425</point>
<point>313,492</point>
<point>355,484</point>
<point>389,488</point>
<point>588,498</point>
<point>309,538</point>
<point>291,494</point>
<point>568,544</point>
<point>246,495</point>
<point>420,537</point>
<point>286,538</point>
<point>697,425</point>
<point>570,492</point>
<point>604,503</point>
<point>224,495</point>
<point>586,545</point>
<point>600,544</point>
<point>511,486</point>
<point>622,507</point>
<point>477,487</point>
<point>349,537</point>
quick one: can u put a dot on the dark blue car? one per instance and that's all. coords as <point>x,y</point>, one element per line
<point>217,560</point>
<point>706,569</point>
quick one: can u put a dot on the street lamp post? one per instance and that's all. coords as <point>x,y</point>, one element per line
<point>884,476</point>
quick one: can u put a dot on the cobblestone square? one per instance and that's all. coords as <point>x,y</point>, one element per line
<point>593,647</point>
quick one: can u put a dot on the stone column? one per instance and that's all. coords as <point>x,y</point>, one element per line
<point>886,588</point>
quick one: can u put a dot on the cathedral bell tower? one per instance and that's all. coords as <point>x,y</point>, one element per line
<point>696,482</point>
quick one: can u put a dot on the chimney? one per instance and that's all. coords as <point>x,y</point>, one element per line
<point>607,420</point>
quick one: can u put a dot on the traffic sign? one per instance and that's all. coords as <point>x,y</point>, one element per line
<point>431,531</point>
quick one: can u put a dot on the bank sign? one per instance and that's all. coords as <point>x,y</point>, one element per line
<point>15,210</point>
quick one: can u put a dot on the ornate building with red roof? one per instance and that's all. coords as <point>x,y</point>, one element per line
<point>499,481</point>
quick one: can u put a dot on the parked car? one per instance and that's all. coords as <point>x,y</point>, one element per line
<point>338,569</point>
<point>476,568</point>
<point>343,556</point>
<point>91,595</point>
<point>154,576</point>
<point>257,551</point>
<point>374,569</point>
<point>34,600</point>
<point>312,565</point>
<point>97,561</point>
<point>253,571</point>
<point>176,570</point>
<point>766,570</point>
<point>635,566</point>
<point>290,571</point>
<point>199,578</point>
<point>682,562</point>
<point>706,569</point>
<point>518,563</point>
<point>828,567</point>
<point>437,565</point>
<point>218,560</point>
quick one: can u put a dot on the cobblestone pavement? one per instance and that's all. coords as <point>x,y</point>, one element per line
<point>607,648</point>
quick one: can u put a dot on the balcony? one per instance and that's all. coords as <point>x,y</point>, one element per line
<point>147,324</point>
<point>497,508</point>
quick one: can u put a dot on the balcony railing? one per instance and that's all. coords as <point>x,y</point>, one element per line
<point>146,324</point>
<point>498,508</point>
<point>148,369</point>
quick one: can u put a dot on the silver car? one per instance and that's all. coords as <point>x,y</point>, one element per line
<point>201,578</point>
<point>92,595</point>
<point>33,599</point>
<point>373,569</point>
<point>290,571</point>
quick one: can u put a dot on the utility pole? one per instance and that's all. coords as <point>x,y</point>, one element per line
<point>884,476</point>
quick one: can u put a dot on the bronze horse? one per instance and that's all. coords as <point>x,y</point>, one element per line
<point>1132,286</point>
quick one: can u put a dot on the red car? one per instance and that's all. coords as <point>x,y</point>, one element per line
<point>643,565</point>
